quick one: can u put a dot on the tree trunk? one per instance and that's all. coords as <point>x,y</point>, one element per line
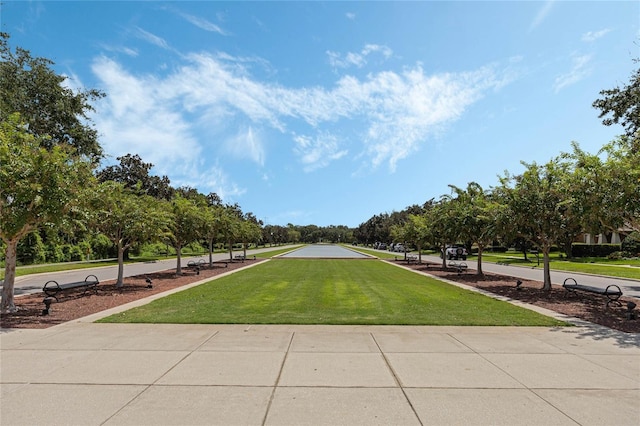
<point>443,250</point>
<point>230,250</point>
<point>419,254</point>
<point>211,253</point>
<point>245,250</point>
<point>120,281</point>
<point>178,248</point>
<point>547,270</point>
<point>8,305</point>
<point>479,267</point>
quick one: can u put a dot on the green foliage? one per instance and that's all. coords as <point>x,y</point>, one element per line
<point>134,175</point>
<point>594,250</point>
<point>631,244</point>
<point>31,249</point>
<point>622,105</point>
<point>101,247</point>
<point>55,115</point>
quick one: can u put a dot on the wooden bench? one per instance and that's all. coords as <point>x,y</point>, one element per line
<point>52,288</point>
<point>612,292</point>
<point>460,267</point>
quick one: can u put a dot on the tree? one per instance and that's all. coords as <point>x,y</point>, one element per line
<point>231,225</point>
<point>126,218</point>
<point>133,173</point>
<point>212,226</point>
<point>187,224</point>
<point>536,204</point>
<point>623,104</point>
<point>622,168</point>
<point>53,112</point>
<point>476,212</point>
<point>414,231</point>
<point>37,187</point>
<point>442,225</point>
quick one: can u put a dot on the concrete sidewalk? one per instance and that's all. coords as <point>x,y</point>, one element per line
<point>83,373</point>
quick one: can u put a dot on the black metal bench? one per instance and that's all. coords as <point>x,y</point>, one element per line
<point>612,292</point>
<point>196,265</point>
<point>460,267</point>
<point>52,288</point>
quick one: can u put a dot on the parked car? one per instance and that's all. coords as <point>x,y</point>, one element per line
<point>456,252</point>
<point>399,248</point>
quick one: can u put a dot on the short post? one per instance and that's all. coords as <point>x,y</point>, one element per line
<point>47,305</point>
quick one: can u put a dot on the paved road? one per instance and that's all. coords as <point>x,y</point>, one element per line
<point>33,283</point>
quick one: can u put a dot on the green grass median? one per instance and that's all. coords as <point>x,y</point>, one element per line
<point>335,291</point>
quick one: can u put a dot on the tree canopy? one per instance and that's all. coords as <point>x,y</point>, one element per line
<point>49,107</point>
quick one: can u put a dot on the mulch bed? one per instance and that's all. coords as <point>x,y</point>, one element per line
<point>585,306</point>
<point>75,304</point>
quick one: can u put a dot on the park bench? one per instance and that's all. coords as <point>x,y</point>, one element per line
<point>196,265</point>
<point>412,258</point>
<point>460,267</point>
<point>52,288</point>
<point>612,292</point>
<point>239,257</point>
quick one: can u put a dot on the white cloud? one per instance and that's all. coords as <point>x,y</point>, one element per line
<point>151,38</point>
<point>120,49</point>
<point>203,24</point>
<point>579,70</point>
<point>247,144</point>
<point>350,15</point>
<point>135,115</point>
<point>357,59</point>
<point>215,180</point>
<point>594,35</point>
<point>393,113</point>
<point>542,14</point>
<point>318,152</point>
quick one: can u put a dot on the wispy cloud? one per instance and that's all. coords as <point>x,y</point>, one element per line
<point>579,70</point>
<point>542,14</point>
<point>359,59</point>
<point>120,49</point>
<point>318,152</point>
<point>594,35</point>
<point>151,38</point>
<point>350,15</point>
<point>247,144</point>
<point>203,23</point>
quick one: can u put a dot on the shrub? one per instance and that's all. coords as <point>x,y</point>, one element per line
<point>616,255</point>
<point>594,250</point>
<point>631,245</point>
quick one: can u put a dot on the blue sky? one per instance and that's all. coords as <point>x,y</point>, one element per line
<point>328,113</point>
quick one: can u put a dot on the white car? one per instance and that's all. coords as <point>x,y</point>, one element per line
<point>456,253</point>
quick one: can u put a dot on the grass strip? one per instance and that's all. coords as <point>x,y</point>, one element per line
<point>330,291</point>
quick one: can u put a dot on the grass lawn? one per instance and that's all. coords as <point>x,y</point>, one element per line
<point>330,291</point>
